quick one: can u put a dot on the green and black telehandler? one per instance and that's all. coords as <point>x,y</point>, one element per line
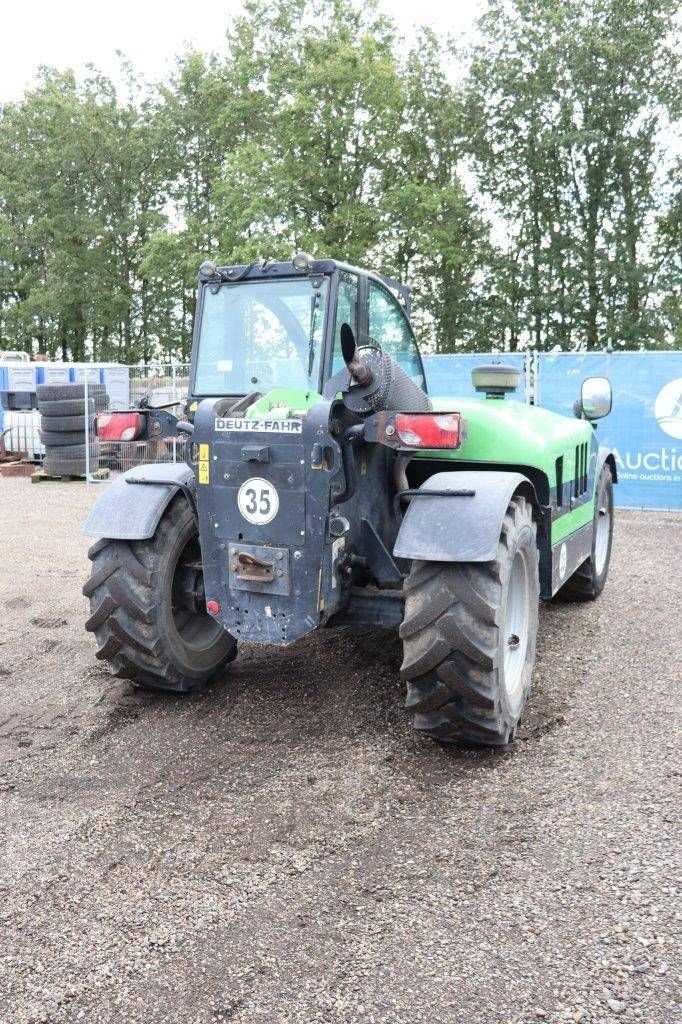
<point>324,485</point>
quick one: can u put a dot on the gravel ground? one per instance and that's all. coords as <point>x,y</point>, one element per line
<point>283,848</point>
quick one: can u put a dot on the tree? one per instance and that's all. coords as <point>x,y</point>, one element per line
<point>79,196</point>
<point>566,107</point>
<point>433,235</point>
<point>310,174</point>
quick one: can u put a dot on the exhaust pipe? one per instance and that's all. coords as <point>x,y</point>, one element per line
<point>358,370</point>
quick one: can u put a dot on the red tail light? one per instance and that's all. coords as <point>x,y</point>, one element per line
<point>119,426</point>
<point>430,430</point>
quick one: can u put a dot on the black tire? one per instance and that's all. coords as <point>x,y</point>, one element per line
<point>72,407</point>
<point>59,392</point>
<point>68,424</point>
<point>72,452</point>
<point>589,579</point>
<point>57,439</point>
<point>139,631</point>
<point>461,687</point>
<point>69,460</point>
<point>62,467</point>
<point>66,392</point>
<point>49,394</point>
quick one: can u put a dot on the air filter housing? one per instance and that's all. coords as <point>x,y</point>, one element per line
<point>389,387</point>
<point>495,379</point>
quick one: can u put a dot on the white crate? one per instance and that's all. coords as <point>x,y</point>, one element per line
<point>116,380</point>
<point>57,374</point>
<point>22,433</point>
<point>92,373</point>
<point>21,377</point>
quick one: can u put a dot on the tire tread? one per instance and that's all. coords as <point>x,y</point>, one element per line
<point>449,633</point>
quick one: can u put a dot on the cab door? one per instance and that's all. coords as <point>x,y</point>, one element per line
<point>377,318</point>
<point>389,327</point>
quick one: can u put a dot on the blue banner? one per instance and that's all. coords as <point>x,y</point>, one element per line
<point>451,374</point>
<point>645,425</point>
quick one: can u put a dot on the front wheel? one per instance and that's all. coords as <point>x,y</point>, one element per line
<point>148,608</point>
<point>469,636</point>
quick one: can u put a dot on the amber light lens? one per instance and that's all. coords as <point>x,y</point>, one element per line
<point>429,430</point>
<point>119,426</point>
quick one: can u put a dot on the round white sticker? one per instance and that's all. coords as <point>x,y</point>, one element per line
<point>258,501</point>
<point>563,557</point>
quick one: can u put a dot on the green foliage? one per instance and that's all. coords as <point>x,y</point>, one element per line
<point>567,114</point>
<point>320,129</point>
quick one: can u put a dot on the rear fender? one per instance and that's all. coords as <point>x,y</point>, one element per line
<point>463,526</point>
<point>132,505</point>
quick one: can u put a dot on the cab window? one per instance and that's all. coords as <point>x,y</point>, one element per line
<point>388,327</point>
<point>346,313</point>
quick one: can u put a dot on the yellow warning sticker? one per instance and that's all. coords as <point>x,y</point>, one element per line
<point>203,453</point>
<point>194,406</point>
<point>203,472</point>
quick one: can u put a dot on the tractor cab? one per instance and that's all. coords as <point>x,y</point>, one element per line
<point>272,325</point>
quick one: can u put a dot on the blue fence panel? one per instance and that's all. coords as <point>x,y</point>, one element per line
<point>451,374</point>
<point>645,425</point>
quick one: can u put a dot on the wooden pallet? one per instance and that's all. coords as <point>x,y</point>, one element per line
<point>40,476</point>
<point>16,468</point>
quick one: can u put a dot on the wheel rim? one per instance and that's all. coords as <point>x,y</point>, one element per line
<point>516,628</point>
<point>194,626</point>
<point>603,531</point>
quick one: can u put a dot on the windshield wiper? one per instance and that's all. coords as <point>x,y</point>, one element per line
<point>314,303</point>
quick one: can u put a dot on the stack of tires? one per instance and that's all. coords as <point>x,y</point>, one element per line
<point>63,413</point>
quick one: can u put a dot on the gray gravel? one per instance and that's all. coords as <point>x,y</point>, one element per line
<point>284,848</point>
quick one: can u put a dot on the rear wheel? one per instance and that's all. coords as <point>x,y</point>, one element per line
<point>469,637</point>
<point>589,579</point>
<point>148,607</point>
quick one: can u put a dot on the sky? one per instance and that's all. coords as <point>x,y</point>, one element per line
<point>73,33</point>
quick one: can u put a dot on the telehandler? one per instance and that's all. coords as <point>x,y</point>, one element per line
<point>324,485</point>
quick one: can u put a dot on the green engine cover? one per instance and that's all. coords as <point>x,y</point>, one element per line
<point>506,433</point>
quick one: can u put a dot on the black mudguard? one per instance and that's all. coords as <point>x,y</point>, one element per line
<point>132,505</point>
<point>463,525</point>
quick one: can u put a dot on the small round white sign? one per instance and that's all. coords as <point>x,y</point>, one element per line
<point>258,501</point>
<point>563,558</point>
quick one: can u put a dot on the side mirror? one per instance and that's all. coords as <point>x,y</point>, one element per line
<point>596,398</point>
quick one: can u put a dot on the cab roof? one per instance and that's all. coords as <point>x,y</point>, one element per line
<point>262,269</point>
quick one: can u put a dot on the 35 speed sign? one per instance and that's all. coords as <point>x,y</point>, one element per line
<point>258,501</point>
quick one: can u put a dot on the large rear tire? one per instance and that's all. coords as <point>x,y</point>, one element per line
<point>589,579</point>
<point>148,607</point>
<point>469,636</point>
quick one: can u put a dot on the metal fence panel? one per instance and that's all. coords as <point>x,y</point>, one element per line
<point>645,424</point>
<point>450,375</point>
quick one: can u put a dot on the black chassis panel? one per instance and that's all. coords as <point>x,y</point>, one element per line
<point>570,553</point>
<point>316,587</point>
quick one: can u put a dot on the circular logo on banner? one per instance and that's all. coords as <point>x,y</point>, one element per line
<point>258,501</point>
<point>563,556</point>
<point>668,408</point>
